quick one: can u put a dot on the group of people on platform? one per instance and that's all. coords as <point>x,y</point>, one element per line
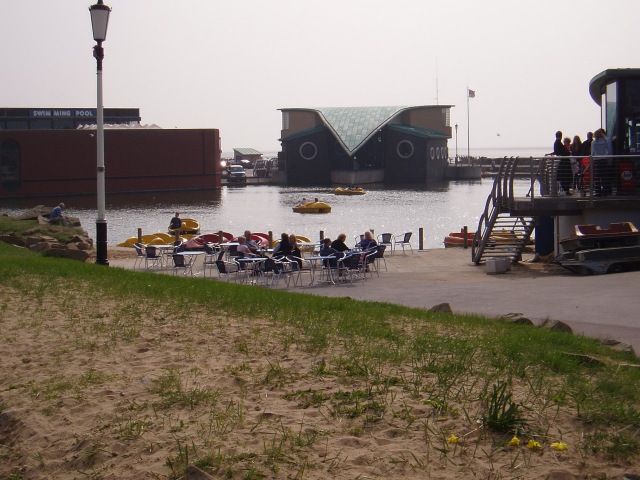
<point>571,168</point>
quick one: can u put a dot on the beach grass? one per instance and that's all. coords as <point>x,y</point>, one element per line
<point>460,386</point>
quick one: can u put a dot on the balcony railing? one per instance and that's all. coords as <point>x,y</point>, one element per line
<point>590,178</point>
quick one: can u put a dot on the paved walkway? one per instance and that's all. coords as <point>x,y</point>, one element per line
<point>600,306</point>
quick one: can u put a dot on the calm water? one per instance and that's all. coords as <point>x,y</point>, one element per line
<point>437,209</point>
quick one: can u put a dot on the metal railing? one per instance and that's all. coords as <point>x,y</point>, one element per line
<point>551,176</point>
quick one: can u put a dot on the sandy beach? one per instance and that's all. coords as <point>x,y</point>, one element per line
<point>81,403</point>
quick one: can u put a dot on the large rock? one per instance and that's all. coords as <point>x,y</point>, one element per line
<point>556,325</point>
<point>71,253</point>
<point>13,240</point>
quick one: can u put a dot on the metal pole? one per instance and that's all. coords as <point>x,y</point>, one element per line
<point>456,144</point>
<point>468,135</point>
<point>101,221</point>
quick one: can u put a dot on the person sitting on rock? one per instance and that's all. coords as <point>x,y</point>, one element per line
<point>56,216</point>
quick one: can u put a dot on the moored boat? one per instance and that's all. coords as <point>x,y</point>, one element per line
<point>457,239</point>
<point>349,191</point>
<point>189,225</point>
<point>313,207</point>
<point>621,234</point>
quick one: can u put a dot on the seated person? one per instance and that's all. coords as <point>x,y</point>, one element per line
<point>339,244</point>
<point>175,222</point>
<point>303,202</point>
<point>243,248</point>
<point>326,250</point>
<point>251,244</point>
<point>367,242</point>
<point>56,215</point>
<point>295,249</point>
<point>284,247</point>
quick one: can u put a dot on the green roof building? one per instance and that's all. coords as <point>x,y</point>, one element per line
<point>360,145</point>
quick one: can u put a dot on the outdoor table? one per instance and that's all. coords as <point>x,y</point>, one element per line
<point>309,247</point>
<point>315,261</point>
<point>191,255</point>
<point>166,251</point>
<point>251,264</point>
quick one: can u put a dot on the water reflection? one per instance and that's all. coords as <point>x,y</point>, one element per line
<point>438,209</point>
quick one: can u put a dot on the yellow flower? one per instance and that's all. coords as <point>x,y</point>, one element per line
<point>560,446</point>
<point>533,445</point>
<point>514,442</point>
<point>452,439</point>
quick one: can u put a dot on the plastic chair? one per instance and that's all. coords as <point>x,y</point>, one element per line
<point>141,256</point>
<point>403,240</point>
<point>379,257</point>
<point>298,267</point>
<point>387,240</point>
<point>229,270</point>
<point>209,259</point>
<point>181,263</point>
<point>152,256</point>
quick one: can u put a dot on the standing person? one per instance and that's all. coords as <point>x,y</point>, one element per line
<point>599,150</point>
<point>576,147</point>
<point>175,222</point>
<point>564,166</point>
<point>585,148</point>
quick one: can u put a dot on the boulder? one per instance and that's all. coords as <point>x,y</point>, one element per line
<point>556,325</point>
<point>72,254</point>
<point>517,318</point>
<point>13,240</point>
<point>441,307</point>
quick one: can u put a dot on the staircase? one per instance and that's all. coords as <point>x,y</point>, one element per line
<point>499,233</point>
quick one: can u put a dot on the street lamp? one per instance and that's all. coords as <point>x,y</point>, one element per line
<point>99,23</point>
<point>456,144</point>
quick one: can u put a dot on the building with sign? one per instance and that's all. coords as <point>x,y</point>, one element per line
<point>359,145</point>
<point>63,118</point>
<point>45,151</point>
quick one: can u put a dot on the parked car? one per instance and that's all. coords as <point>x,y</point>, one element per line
<point>235,173</point>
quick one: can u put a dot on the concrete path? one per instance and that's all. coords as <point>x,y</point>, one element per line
<point>599,306</point>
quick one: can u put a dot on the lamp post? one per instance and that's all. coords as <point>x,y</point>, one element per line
<point>456,144</point>
<point>99,23</point>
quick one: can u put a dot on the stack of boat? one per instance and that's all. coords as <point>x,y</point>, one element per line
<point>592,249</point>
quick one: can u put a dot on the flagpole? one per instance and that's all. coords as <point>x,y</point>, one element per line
<point>468,133</point>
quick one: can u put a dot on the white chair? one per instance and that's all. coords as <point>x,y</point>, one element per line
<point>403,240</point>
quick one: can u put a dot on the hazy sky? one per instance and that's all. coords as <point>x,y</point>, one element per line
<point>231,64</point>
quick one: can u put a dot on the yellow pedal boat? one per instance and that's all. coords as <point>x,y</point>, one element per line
<point>349,191</point>
<point>313,207</point>
<point>189,225</point>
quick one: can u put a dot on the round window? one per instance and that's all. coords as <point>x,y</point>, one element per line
<point>405,149</point>
<point>308,150</point>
